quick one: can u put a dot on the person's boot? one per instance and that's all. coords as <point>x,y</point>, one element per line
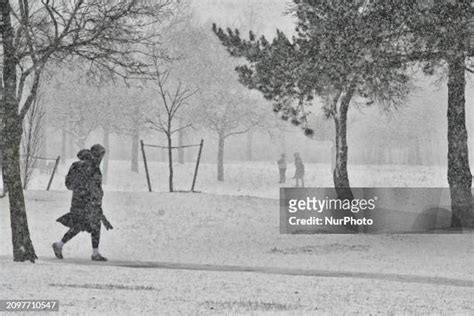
<point>58,250</point>
<point>98,257</point>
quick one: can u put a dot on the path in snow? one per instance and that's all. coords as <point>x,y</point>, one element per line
<point>270,270</point>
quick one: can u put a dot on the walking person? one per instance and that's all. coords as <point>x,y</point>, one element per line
<point>282,168</point>
<point>85,180</point>
<point>299,170</point>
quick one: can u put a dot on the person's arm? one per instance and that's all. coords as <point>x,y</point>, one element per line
<point>106,222</point>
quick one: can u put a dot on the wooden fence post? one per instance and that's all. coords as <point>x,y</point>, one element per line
<point>197,164</point>
<point>146,166</point>
<point>53,173</point>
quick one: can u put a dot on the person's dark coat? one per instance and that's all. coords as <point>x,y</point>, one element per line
<point>98,152</point>
<point>85,180</point>
<point>95,214</point>
<point>299,168</point>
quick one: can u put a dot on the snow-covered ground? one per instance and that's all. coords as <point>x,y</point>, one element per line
<point>95,290</point>
<point>235,224</point>
<point>252,178</point>
<point>192,228</point>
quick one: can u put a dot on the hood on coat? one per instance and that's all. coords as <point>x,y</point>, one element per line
<point>84,154</point>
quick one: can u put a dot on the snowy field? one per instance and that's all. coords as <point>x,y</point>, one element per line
<point>252,178</point>
<point>187,238</point>
<point>192,229</point>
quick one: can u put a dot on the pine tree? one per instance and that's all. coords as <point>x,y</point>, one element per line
<point>337,55</point>
<point>441,39</point>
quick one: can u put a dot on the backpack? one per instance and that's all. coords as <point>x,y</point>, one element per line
<point>77,175</point>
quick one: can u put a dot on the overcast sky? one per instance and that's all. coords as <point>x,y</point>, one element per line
<point>263,16</point>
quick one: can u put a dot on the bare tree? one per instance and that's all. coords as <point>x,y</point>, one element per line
<point>171,103</point>
<point>226,113</point>
<point>132,122</point>
<point>33,140</point>
<point>131,106</point>
<point>110,35</point>
<point>224,107</point>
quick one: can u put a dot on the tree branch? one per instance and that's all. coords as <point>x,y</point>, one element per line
<point>33,92</point>
<point>181,128</point>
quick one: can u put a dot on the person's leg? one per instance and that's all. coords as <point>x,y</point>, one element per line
<point>95,238</point>
<point>283,175</point>
<point>58,246</point>
<point>70,234</point>
<point>302,182</point>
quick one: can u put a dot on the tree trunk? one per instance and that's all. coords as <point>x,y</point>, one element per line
<point>417,145</point>
<point>378,152</point>
<point>170,162</point>
<point>70,142</point>
<point>163,154</point>
<point>81,143</point>
<point>26,166</point>
<point>340,174</point>
<point>135,148</point>
<point>406,156</point>
<point>414,153</point>
<point>1,154</point>
<point>22,245</point>
<point>389,154</point>
<point>220,158</point>
<point>2,146</point>
<point>106,140</point>
<point>333,156</point>
<point>411,153</point>
<point>181,143</point>
<point>63,144</point>
<point>283,141</point>
<point>43,147</point>
<point>430,153</point>
<point>249,145</point>
<point>71,147</point>
<point>459,173</point>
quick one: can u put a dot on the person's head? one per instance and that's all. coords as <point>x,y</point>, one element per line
<point>97,152</point>
<point>283,155</point>
<point>84,154</point>
<point>297,155</point>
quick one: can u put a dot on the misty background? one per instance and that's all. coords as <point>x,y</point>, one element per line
<point>80,111</point>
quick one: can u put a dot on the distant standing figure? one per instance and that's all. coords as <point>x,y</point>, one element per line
<point>299,170</point>
<point>282,168</point>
